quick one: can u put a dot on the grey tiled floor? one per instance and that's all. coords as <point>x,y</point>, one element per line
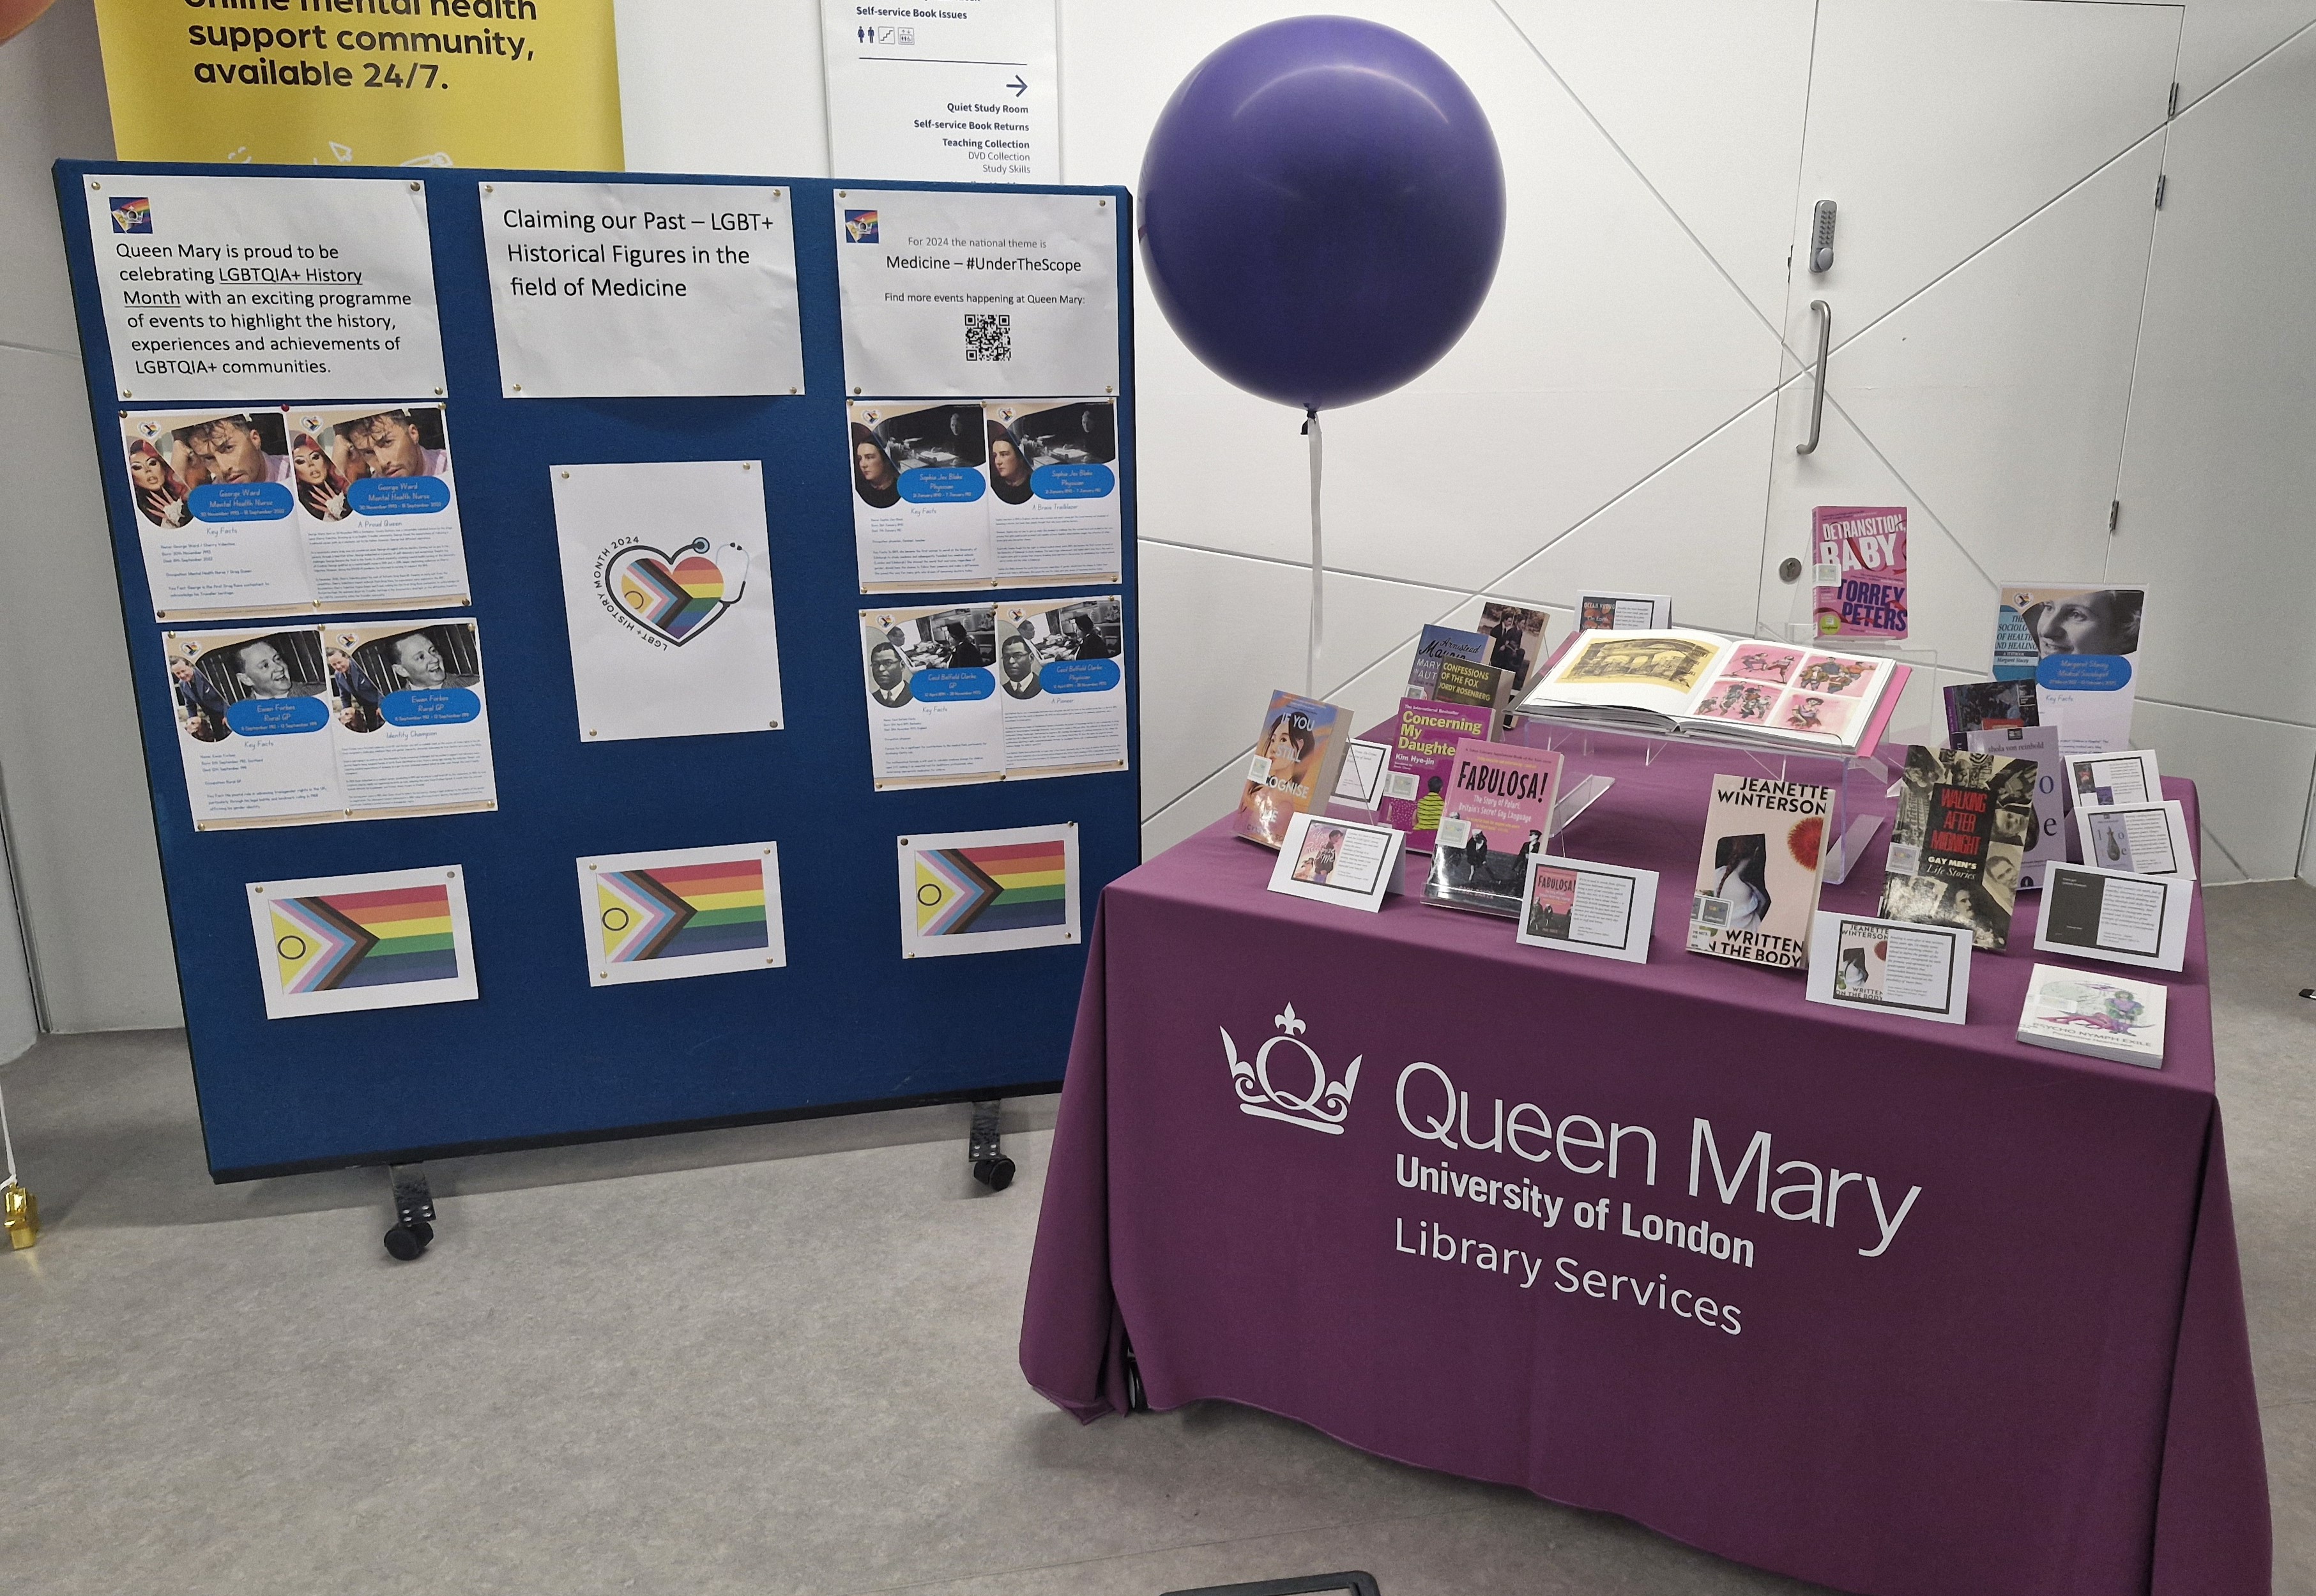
<point>777,1359</point>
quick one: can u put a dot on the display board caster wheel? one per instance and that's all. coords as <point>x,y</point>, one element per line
<point>405,1242</point>
<point>414,1213</point>
<point>990,1167</point>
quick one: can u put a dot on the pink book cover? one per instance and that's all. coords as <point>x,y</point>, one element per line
<point>1422,758</point>
<point>1498,812</point>
<point>1860,558</point>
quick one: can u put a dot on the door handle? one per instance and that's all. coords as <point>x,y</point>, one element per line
<point>1817,400</point>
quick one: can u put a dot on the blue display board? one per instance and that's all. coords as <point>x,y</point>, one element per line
<point>545,1056</point>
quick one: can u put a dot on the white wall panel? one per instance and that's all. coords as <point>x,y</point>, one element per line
<point>2251,777</point>
<point>1706,99</point>
<point>723,86</point>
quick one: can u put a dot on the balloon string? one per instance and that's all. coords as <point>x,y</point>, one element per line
<point>1318,564</point>
<point>8,1145</point>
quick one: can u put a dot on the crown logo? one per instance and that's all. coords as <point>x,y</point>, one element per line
<point>1322,1109</point>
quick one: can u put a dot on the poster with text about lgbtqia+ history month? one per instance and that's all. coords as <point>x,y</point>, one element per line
<point>383,83</point>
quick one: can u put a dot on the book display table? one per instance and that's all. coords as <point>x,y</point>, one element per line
<point>1902,1309</point>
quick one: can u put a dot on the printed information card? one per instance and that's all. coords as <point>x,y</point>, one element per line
<point>277,289</point>
<point>1574,904</point>
<point>636,289</point>
<point>963,294</point>
<point>1892,966</point>
<point>2114,915</point>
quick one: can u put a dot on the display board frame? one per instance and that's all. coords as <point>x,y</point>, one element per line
<point>544,1057</point>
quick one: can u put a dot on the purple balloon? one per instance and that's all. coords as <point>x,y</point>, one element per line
<point>1322,210</point>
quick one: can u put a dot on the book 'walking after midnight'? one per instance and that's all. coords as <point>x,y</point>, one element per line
<point>1296,760</point>
<point>1959,841</point>
<point>1757,877</point>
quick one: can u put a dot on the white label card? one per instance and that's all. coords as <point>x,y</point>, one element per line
<point>977,294</point>
<point>2091,913</point>
<point>1889,967</point>
<point>1361,782</point>
<point>266,288</point>
<point>1580,907</point>
<point>2130,777</point>
<point>667,590</point>
<point>2149,839</point>
<point>642,289</point>
<point>1347,862</point>
<point>1623,611</point>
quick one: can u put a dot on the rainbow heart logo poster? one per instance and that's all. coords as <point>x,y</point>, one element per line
<point>386,940</point>
<point>984,892</point>
<point>680,912</point>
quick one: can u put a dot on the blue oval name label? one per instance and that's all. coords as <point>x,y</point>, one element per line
<point>277,718</point>
<point>429,706</point>
<point>240,501</point>
<point>398,495</point>
<point>2083,673</point>
<point>943,485</point>
<point>953,686</point>
<point>1080,480</point>
<point>1080,675</point>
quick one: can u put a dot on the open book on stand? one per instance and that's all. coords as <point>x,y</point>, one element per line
<point>1737,691</point>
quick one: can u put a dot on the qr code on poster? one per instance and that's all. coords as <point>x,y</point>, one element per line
<point>988,337</point>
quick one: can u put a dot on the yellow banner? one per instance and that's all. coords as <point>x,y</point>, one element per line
<point>370,83</point>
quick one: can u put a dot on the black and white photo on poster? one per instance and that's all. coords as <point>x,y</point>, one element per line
<point>935,715</point>
<point>253,721</point>
<point>1054,502</point>
<point>411,717</point>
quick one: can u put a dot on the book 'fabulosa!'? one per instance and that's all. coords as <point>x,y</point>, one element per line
<point>1861,555</point>
<point>1959,841</point>
<point>1498,815</point>
<point>1295,762</point>
<point>1757,879</point>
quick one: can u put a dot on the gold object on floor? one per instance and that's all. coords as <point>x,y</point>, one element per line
<point>20,1210</point>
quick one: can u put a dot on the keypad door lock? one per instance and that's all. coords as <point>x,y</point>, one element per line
<point>1821,246</point>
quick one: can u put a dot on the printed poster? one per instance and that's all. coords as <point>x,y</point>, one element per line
<point>988,891</point>
<point>378,505</point>
<point>2076,644</point>
<point>278,289</point>
<point>1055,509</point>
<point>289,725</point>
<point>957,295</point>
<point>216,518</point>
<point>617,289</point>
<point>681,911</point>
<point>465,83</point>
<point>667,590</point>
<point>264,511</point>
<point>963,94</point>
<point>410,722</point>
<point>253,722</point>
<point>388,940</point>
<point>920,493</point>
<point>1062,685</point>
<point>934,712</point>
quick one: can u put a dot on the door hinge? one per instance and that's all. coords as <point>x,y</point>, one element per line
<point>2161,179</point>
<point>2172,109</point>
<point>2113,514</point>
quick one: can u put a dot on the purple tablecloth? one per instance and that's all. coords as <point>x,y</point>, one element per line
<point>2039,1382</point>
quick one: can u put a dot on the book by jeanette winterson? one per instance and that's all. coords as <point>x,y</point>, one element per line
<point>1423,759</point>
<point>1756,877</point>
<point>1959,841</point>
<point>1497,816</point>
<point>1295,762</point>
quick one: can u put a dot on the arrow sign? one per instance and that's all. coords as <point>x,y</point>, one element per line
<point>1018,86</point>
